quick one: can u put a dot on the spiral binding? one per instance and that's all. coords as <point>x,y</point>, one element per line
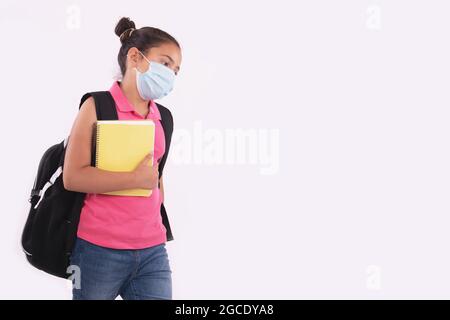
<point>97,143</point>
<point>94,145</point>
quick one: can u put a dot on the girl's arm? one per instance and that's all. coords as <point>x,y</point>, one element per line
<point>78,174</point>
<point>161,189</point>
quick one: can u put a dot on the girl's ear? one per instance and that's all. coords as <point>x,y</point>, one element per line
<point>132,57</point>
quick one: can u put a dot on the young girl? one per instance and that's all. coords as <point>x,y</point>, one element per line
<point>120,246</point>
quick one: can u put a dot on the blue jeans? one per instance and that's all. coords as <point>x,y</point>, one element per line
<point>102,273</point>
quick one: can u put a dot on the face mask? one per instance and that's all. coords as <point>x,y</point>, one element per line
<point>156,82</point>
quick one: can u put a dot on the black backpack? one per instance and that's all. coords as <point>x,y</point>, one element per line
<point>51,227</point>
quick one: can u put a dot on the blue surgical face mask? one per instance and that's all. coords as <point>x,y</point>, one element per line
<point>156,82</point>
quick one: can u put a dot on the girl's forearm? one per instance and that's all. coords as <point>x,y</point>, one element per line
<point>94,180</point>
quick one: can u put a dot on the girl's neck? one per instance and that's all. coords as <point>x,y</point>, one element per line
<point>129,89</point>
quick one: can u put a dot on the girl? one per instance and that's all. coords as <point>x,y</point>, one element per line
<point>120,246</point>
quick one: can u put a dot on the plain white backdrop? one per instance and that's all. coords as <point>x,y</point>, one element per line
<point>310,156</point>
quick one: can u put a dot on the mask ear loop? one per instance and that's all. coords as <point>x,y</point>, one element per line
<point>149,63</point>
<point>144,58</point>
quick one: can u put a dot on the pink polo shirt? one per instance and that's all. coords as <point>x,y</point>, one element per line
<point>126,222</point>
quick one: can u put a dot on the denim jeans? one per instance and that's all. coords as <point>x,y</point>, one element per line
<point>101,273</point>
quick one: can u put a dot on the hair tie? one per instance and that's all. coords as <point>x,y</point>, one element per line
<point>121,35</point>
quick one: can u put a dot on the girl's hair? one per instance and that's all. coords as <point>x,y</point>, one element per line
<point>143,39</point>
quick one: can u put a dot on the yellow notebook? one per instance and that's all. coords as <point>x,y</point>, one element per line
<point>121,145</point>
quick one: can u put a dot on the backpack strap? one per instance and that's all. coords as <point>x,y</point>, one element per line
<point>167,124</point>
<point>105,105</point>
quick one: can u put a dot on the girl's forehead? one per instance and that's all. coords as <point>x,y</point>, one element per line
<point>167,49</point>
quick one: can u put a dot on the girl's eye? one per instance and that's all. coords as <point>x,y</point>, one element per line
<point>167,64</point>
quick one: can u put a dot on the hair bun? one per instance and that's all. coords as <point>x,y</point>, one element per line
<point>124,28</point>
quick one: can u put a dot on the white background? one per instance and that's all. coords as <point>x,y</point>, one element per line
<point>357,206</point>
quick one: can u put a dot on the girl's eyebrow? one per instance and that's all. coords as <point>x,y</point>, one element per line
<point>165,55</point>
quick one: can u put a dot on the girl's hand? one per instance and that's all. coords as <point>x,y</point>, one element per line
<point>145,175</point>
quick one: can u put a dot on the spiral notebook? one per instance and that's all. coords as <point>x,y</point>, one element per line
<point>120,145</point>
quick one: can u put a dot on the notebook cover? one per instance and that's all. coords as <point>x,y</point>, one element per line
<point>121,145</point>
